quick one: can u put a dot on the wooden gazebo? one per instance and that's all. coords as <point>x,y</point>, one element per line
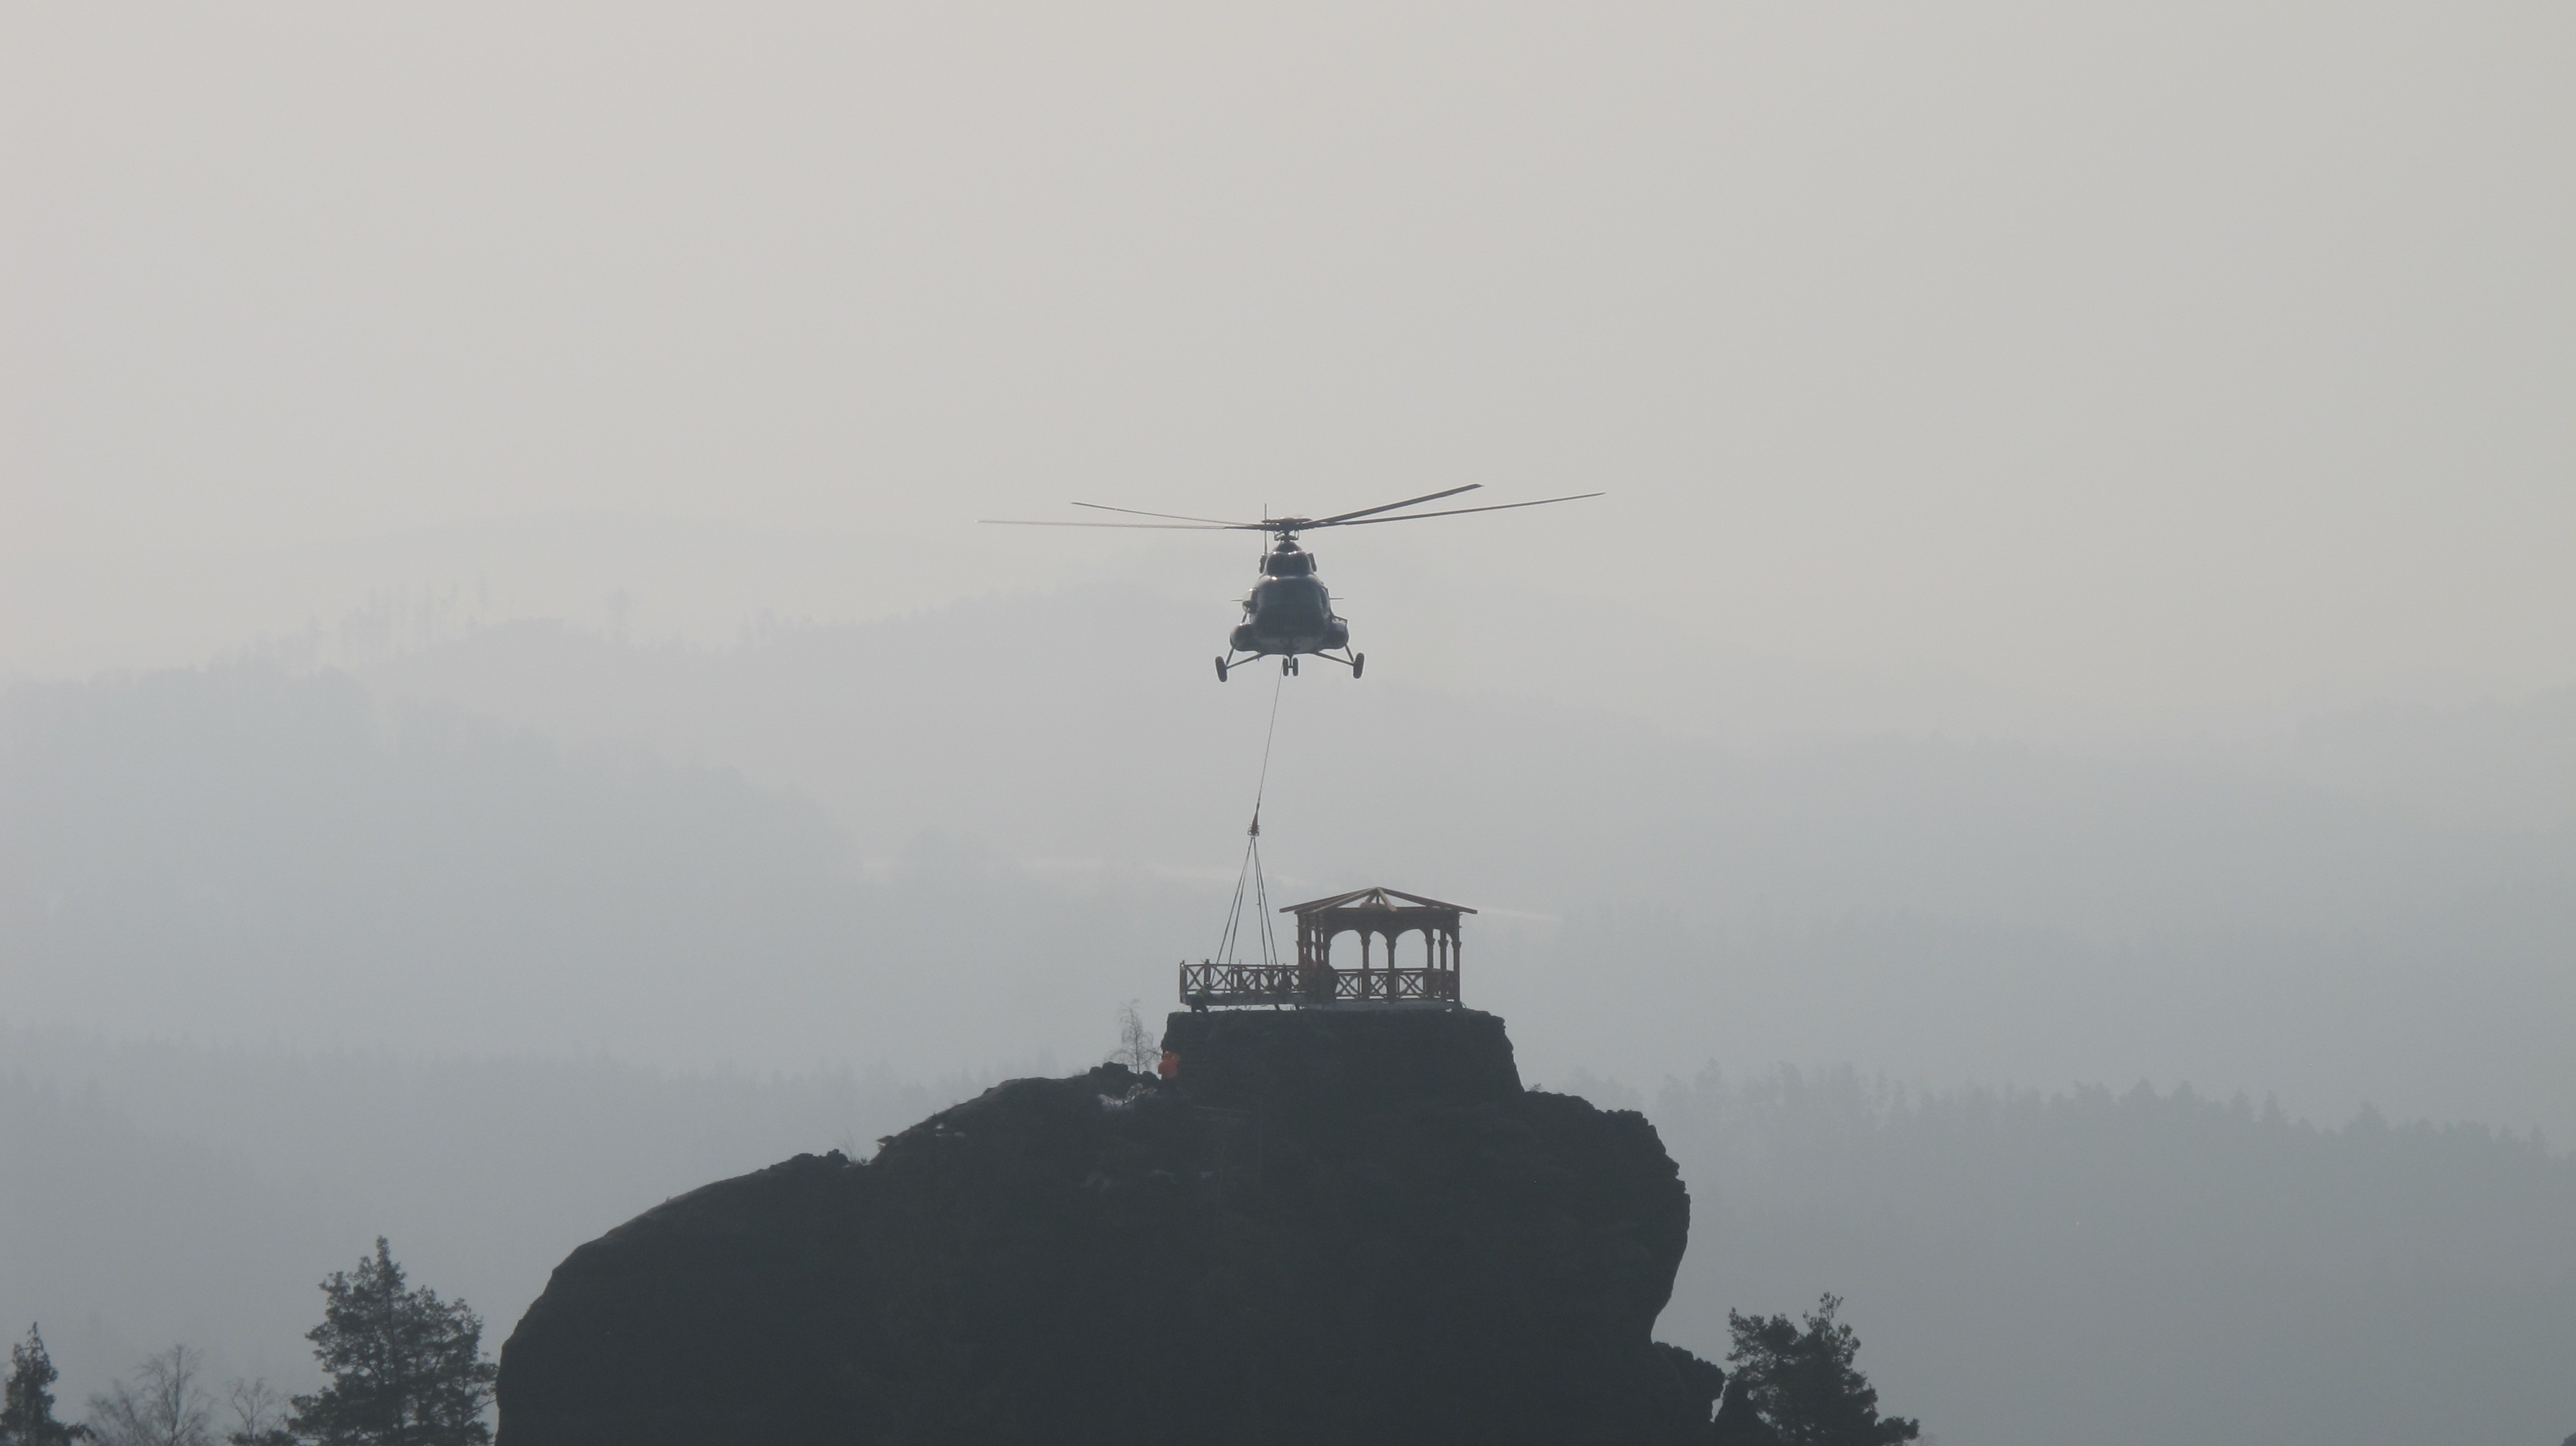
<point>1314,982</point>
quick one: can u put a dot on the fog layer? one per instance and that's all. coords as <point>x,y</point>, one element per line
<point>505,711</point>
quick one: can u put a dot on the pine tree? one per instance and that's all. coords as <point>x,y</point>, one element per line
<point>27,1408</point>
<point>1803,1385</point>
<point>406,1368</point>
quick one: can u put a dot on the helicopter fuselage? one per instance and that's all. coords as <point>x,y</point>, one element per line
<point>1288,613</point>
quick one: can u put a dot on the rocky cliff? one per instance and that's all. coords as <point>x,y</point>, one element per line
<point>1325,1228</point>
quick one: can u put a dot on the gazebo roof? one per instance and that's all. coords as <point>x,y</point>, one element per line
<point>1375,898</point>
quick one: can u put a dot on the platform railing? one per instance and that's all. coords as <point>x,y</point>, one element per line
<point>1439,984</point>
<point>1208,983</point>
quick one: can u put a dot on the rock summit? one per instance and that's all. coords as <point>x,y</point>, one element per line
<point>1324,1227</point>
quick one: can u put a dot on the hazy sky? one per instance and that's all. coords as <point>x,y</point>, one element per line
<point>2193,356</point>
<point>2040,376</point>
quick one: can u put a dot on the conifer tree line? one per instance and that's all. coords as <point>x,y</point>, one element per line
<point>404,1368</point>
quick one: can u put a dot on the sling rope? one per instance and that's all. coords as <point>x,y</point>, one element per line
<point>1252,874</point>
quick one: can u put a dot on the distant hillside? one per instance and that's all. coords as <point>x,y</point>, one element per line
<point>1059,749</point>
<point>242,855</point>
<point>2133,1268</point>
<point>829,846</point>
<point>122,1239</point>
<point>2151,1266</point>
<point>163,1192</point>
<point>1943,907</point>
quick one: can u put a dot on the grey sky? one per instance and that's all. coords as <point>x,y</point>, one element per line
<point>2083,597</point>
<point>2185,359</point>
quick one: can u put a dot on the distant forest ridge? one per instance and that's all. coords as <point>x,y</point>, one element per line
<point>2159,1265</point>
<point>2222,1250</point>
<point>802,854</point>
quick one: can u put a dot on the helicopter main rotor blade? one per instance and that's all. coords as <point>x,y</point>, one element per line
<point>1458,511</point>
<point>1153,526</point>
<point>1174,516</point>
<point>1341,517</point>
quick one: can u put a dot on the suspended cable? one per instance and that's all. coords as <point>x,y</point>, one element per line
<point>1252,874</point>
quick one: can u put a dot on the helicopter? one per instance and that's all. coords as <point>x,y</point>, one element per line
<point>1289,612</point>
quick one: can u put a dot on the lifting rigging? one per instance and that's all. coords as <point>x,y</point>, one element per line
<point>1311,980</point>
<point>1252,880</point>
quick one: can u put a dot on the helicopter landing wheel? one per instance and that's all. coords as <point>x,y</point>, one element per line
<point>1287,666</point>
<point>1358,661</point>
<point>1220,670</point>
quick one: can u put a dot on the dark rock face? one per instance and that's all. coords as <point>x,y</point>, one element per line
<point>1330,1228</point>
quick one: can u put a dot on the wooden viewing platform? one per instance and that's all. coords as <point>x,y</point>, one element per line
<point>1313,982</point>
